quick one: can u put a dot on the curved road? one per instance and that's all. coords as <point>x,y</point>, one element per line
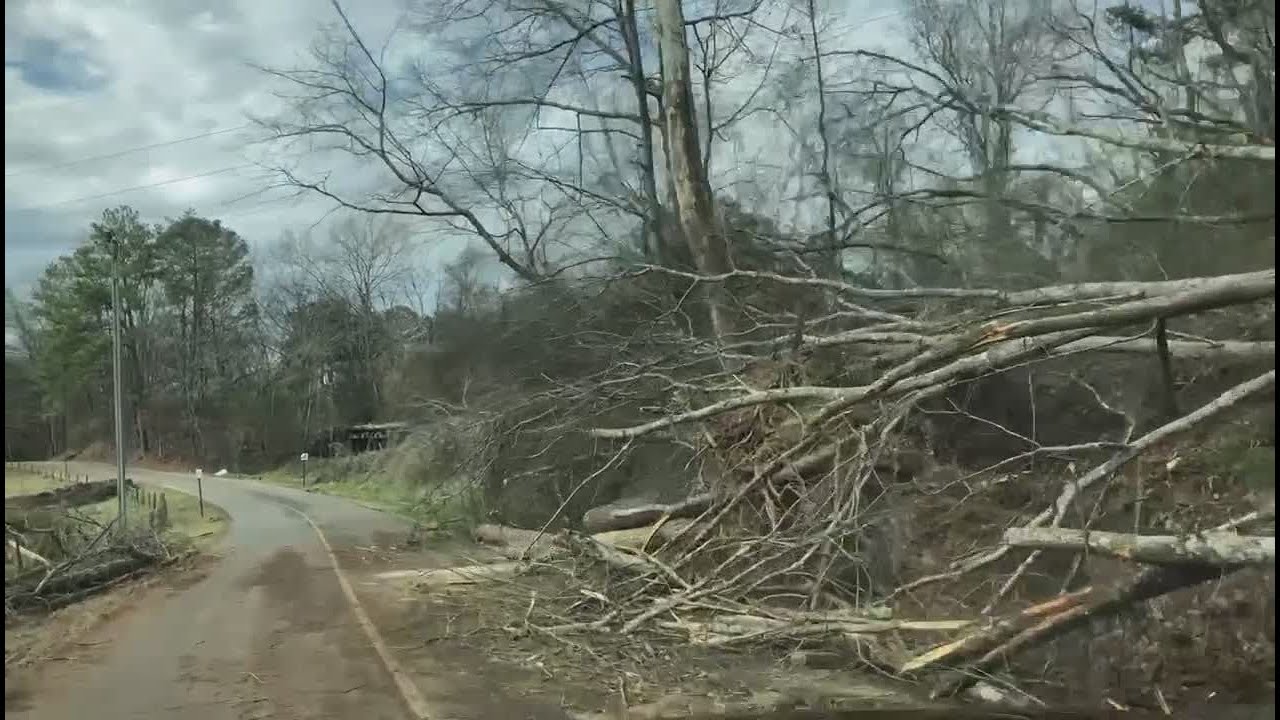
<point>267,633</point>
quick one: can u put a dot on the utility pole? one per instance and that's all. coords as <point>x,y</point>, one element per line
<point>116,373</point>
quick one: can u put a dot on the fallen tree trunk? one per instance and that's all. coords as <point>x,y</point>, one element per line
<point>640,538</point>
<point>1005,638</point>
<point>61,585</point>
<point>1234,350</point>
<point>1224,549</point>
<point>605,518</point>
<point>1243,350</point>
<point>445,577</point>
<point>516,543</point>
<point>623,549</point>
<point>728,629</point>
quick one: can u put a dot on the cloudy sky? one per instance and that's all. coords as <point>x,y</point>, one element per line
<point>101,94</point>
<point>145,102</point>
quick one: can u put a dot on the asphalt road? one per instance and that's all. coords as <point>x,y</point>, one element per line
<point>267,633</point>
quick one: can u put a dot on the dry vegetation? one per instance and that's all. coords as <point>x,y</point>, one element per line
<point>924,393</point>
<point>61,545</point>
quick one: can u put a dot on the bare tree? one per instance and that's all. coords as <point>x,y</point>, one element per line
<point>342,288</point>
<point>347,103</point>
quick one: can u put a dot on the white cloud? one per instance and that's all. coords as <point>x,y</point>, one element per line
<point>85,78</point>
<point>88,78</point>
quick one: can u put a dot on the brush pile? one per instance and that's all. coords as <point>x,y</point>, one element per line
<point>928,475</point>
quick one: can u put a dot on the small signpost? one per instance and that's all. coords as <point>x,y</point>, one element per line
<point>200,489</point>
<point>303,458</point>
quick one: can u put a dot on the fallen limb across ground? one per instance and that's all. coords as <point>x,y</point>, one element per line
<point>1003,639</point>
<point>1071,490</point>
<point>1219,549</point>
<point>84,575</point>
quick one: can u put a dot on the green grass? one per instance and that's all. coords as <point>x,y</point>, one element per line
<point>185,520</point>
<point>184,510</point>
<point>25,482</point>
<point>365,479</point>
<point>373,489</point>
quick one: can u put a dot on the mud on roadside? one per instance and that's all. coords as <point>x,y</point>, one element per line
<point>78,632</point>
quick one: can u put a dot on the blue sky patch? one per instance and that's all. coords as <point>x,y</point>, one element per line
<point>50,65</point>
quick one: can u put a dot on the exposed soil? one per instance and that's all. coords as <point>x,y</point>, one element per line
<point>70,634</point>
<point>492,652</point>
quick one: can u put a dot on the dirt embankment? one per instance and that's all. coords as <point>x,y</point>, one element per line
<point>73,495</point>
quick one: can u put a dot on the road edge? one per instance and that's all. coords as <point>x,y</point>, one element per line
<point>409,694</point>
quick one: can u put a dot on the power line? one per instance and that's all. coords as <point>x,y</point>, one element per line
<point>135,188</point>
<point>127,151</point>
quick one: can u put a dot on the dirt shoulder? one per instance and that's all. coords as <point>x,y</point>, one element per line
<point>473,653</point>
<point>77,633</point>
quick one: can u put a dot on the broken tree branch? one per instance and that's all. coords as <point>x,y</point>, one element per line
<point>1221,549</point>
<point>1227,400</point>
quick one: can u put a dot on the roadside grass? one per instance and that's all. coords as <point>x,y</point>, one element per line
<point>26,482</point>
<point>373,480</point>
<point>185,525</point>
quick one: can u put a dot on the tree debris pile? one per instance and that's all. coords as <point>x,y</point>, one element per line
<point>846,507</point>
<point>62,556</point>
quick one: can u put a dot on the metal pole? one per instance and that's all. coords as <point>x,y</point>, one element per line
<point>115,376</point>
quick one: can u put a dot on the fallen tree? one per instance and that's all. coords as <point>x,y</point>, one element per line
<point>815,456</point>
<point>90,565</point>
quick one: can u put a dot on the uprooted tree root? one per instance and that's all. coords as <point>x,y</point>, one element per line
<point>781,543</point>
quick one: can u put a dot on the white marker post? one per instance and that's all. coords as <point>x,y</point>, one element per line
<point>200,489</point>
<point>303,458</point>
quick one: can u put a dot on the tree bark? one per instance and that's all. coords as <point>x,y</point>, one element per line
<point>1219,549</point>
<point>706,241</point>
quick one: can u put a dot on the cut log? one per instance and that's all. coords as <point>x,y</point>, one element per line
<point>513,542</point>
<point>605,518</point>
<point>1219,549</point>
<point>642,538</point>
<point>727,629</point>
<point>78,581</point>
<point>467,575</point>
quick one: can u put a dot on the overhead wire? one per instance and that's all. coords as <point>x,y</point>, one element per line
<point>126,151</point>
<point>135,188</point>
